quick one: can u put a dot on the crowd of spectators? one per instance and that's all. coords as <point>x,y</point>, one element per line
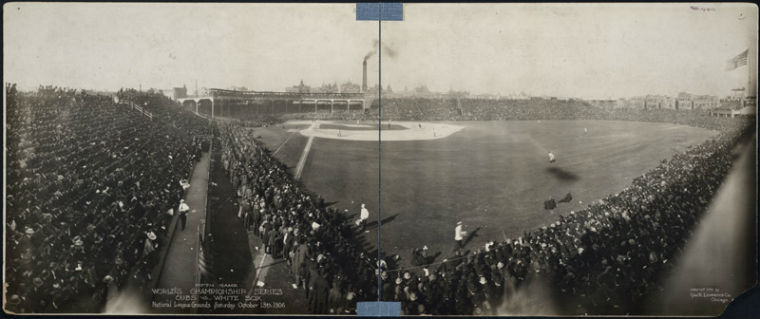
<point>90,186</point>
<point>605,259</point>
<point>256,121</point>
<point>294,224</point>
<point>337,115</point>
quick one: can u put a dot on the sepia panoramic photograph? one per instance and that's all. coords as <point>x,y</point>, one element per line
<point>492,159</point>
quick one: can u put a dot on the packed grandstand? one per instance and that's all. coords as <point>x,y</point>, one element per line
<point>92,184</point>
<point>87,179</point>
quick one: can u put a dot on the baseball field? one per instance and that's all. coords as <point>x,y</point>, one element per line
<point>494,176</point>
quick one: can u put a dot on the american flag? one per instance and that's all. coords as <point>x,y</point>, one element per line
<point>737,61</point>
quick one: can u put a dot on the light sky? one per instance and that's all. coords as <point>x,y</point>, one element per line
<point>578,50</point>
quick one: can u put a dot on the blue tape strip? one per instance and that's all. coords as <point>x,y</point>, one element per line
<point>378,309</point>
<point>374,11</point>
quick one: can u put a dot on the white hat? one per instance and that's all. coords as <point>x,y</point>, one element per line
<point>459,222</point>
<point>151,235</point>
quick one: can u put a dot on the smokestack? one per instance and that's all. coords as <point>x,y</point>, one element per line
<point>364,76</point>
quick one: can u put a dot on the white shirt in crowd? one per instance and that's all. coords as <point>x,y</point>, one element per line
<point>183,207</point>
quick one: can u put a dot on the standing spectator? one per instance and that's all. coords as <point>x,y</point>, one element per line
<point>183,209</point>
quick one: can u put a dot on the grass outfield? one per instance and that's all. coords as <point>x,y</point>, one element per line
<point>492,175</point>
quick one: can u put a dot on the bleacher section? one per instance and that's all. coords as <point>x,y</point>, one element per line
<point>89,184</point>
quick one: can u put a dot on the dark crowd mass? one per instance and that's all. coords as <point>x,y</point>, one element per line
<point>317,241</point>
<point>605,259</point>
<point>93,186</point>
<point>90,186</point>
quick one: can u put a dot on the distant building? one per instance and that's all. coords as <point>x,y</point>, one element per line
<point>659,102</point>
<point>687,101</point>
<point>422,89</point>
<point>731,102</point>
<point>179,93</point>
<point>327,88</point>
<point>684,101</point>
<point>373,90</point>
<point>731,112</point>
<point>301,88</point>
<point>605,104</point>
<point>350,87</point>
<point>649,102</point>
